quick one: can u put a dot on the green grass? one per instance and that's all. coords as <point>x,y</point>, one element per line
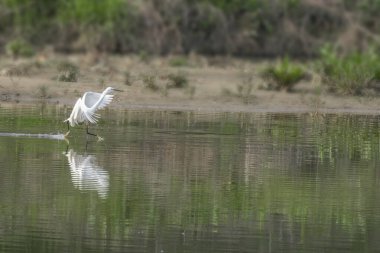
<point>179,61</point>
<point>350,74</point>
<point>284,74</point>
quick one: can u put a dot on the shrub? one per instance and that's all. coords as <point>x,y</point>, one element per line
<point>149,81</point>
<point>351,74</point>
<point>284,74</point>
<point>19,47</point>
<point>178,80</point>
<point>68,72</point>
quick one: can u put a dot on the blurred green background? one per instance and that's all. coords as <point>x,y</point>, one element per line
<point>264,28</point>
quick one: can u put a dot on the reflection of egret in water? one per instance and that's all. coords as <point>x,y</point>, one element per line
<point>86,174</point>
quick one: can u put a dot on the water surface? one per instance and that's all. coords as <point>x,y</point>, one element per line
<point>166,181</point>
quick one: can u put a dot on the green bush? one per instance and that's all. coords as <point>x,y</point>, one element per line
<point>284,74</point>
<point>351,74</point>
<point>19,48</point>
<point>178,80</point>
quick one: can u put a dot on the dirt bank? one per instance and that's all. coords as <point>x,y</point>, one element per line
<point>211,85</point>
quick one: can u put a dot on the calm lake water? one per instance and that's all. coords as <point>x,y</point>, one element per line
<point>189,182</point>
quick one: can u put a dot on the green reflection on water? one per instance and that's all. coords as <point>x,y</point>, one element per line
<point>188,181</point>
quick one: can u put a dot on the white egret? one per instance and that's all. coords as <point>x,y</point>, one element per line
<point>85,108</point>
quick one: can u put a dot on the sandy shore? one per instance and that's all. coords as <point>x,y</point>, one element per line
<point>211,86</point>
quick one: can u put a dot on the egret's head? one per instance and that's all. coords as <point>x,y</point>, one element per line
<point>111,89</point>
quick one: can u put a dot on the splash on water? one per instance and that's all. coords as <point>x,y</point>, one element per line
<point>40,136</point>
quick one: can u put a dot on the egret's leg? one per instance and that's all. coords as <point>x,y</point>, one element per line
<point>68,129</point>
<point>89,132</point>
<point>99,138</point>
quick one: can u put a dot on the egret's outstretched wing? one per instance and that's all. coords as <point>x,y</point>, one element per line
<point>77,114</point>
<point>92,101</point>
<point>105,101</point>
<point>90,115</point>
<point>92,98</point>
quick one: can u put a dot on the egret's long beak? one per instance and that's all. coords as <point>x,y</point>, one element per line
<point>118,90</point>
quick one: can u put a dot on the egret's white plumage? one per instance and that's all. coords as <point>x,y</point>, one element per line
<point>85,108</point>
